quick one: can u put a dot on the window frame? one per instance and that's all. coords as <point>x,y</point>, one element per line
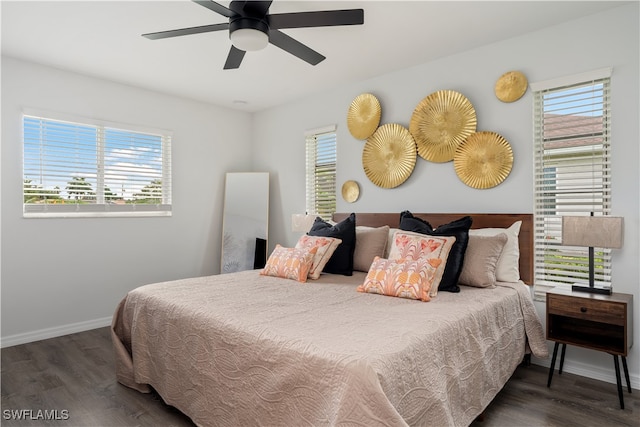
<point>101,208</point>
<point>557,189</point>
<point>323,207</point>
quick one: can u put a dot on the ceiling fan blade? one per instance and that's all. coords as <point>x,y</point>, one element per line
<point>186,31</point>
<point>326,18</point>
<point>294,47</point>
<point>216,7</point>
<point>234,58</point>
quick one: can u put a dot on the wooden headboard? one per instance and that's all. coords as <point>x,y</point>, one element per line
<point>497,220</point>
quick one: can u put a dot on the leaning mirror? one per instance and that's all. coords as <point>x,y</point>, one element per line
<point>245,221</point>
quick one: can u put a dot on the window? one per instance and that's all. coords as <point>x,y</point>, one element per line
<point>84,169</point>
<point>321,172</point>
<point>572,175</point>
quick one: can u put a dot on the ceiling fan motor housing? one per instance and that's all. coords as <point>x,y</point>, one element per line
<point>244,22</point>
<point>249,15</point>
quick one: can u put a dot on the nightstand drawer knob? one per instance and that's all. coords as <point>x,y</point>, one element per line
<point>583,309</point>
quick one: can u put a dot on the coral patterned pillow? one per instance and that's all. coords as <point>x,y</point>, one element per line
<point>413,246</point>
<point>325,248</point>
<point>289,263</point>
<point>459,229</point>
<point>402,278</point>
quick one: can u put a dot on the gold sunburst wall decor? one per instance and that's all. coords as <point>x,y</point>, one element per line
<point>350,191</point>
<point>389,155</point>
<point>440,123</point>
<point>511,86</point>
<point>363,116</point>
<point>484,160</point>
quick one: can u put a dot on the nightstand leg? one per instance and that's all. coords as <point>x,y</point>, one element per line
<point>626,372</point>
<point>617,365</point>
<point>564,349</point>
<point>553,363</point>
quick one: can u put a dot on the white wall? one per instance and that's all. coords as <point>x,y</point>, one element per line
<point>607,39</point>
<point>63,275</point>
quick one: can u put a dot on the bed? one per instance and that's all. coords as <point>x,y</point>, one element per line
<point>245,349</point>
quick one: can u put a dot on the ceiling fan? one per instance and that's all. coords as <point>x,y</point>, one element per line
<point>252,27</point>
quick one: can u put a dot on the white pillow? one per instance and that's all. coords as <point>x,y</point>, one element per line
<point>508,269</point>
<point>387,247</point>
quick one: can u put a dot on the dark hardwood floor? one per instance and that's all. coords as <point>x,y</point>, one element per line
<point>72,378</point>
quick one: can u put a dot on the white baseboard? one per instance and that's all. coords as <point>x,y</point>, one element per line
<point>56,331</point>
<point>601,373</point>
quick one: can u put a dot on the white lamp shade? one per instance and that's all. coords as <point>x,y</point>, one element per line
<point>592,231</point>
<point>248,39</point>
<point>301,222</point>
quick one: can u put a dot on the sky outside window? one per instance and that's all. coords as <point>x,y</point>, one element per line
<point>68,162</point>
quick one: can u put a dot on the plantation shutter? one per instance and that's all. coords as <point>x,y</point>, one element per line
<point>572,175</point>
<point>321,158</point>
<point>84,169</point>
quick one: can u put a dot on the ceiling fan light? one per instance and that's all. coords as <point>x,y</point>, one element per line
<point>249,39</point>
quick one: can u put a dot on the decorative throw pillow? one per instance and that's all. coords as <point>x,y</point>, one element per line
<point>370,242</point>
<point>325,246</point>
<point>459,229</point>
<point>416,246</point>
<point>508,269</point>
<point>481,259</point>
<point>341,261</point>
<point>402,278</point>
<point>289,263</point>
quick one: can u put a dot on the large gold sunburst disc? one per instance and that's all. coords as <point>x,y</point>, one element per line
<point>389,155</point>
<point>440,123</point>
<point>484,160</point>
<point>363,116</point>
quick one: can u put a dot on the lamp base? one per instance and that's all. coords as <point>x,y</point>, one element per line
<point>591,289</point>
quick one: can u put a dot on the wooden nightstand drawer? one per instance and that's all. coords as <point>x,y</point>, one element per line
<point>587,309</point>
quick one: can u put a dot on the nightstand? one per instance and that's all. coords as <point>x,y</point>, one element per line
<point>593,321</point>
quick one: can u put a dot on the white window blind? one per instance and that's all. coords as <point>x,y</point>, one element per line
<point>572,177</point>
<point>80,169</point>
<point>321,158</point>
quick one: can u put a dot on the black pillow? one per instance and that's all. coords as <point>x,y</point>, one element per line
<point>459,229</point>
<point>341,261</point>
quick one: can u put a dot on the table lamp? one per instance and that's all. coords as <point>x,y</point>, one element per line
<point>592,232</point>
<point>302,222</point>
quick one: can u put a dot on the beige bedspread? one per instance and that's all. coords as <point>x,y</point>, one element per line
<point>242,349</point>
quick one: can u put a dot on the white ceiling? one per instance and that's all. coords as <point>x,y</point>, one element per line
<point>103,39</point>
